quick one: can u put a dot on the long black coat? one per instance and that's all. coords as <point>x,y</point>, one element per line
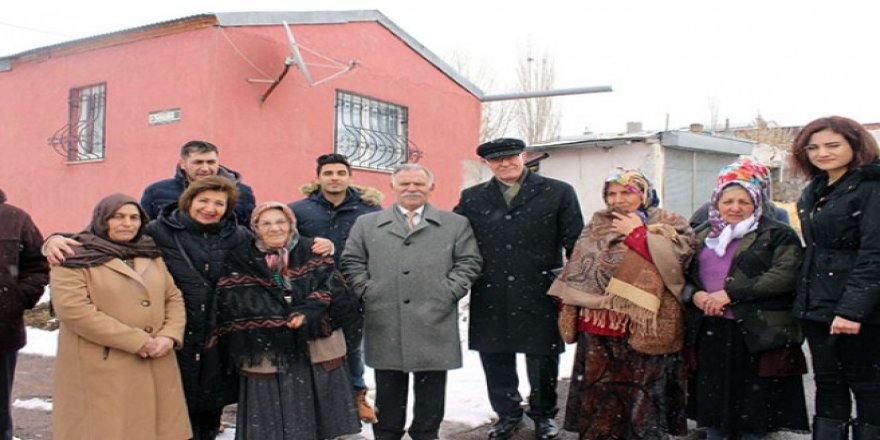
<point>510,311</point>
<point>840,273</point>
<point>207,248</point>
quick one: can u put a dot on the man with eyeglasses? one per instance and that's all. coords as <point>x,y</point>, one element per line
<point>523,223</point>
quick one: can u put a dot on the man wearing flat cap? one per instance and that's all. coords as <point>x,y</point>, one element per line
<point>523,223</point>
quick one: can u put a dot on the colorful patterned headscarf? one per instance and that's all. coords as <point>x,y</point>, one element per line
<point>721,233</point>
<point>746,170</point>
<point>635,182</point>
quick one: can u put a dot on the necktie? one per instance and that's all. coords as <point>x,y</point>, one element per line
<point>410,220</point>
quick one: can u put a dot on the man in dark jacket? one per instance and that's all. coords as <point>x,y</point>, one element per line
<point>523,222</point>
<point>329,210</point>
<point>198,159</point>
<point>23,275</point>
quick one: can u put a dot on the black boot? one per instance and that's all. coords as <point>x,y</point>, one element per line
<point>205,433</point>
<point>505,427</point>
<point>864,431</point>
<point>830,429</point>
<point>546,429</point>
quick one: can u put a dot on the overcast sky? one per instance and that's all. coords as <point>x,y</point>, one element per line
<point>790,61</point>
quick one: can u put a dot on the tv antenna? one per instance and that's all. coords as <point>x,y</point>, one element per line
<point>296,59</point>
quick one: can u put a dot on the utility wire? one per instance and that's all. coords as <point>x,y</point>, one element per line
<point>42,31</point>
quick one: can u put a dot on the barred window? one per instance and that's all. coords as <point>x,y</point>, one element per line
<point>371,133</point>
<point>83,136</point>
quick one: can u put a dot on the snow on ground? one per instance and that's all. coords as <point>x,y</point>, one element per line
<point>33,403</point>
<point>466,399</point>
<point>40,342</point>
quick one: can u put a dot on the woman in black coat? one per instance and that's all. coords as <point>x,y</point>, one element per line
<point>194,237</point>
<point>838,290</point>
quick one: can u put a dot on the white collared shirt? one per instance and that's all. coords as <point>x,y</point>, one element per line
<point>416,218</point>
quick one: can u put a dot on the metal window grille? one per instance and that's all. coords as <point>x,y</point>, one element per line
<point>83,136</point>
<point>371,133</point>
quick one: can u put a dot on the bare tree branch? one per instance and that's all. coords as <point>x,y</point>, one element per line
<point>497,117</point>
<point>535,117</point>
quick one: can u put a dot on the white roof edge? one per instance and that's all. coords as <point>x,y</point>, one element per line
<point>268,18</point>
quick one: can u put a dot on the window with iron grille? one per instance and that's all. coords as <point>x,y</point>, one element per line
<point>83,137</point>
<point>371,133</point>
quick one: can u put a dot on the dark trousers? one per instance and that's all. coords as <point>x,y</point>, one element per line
<point>392,390</point>
<point>844,363</point>
<point>7,372</point>
<point>205,424</point>
<point>503,384</point>
<point>354,354</point>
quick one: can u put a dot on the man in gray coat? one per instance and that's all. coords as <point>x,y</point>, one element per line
<point>411,264</point>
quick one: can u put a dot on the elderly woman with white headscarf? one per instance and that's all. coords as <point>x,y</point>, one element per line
<point>279,312</point>
<point>744,340</point>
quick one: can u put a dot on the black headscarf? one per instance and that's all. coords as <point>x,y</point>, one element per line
<point>97,248</point>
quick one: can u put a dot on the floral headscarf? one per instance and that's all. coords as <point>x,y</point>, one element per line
<point>635,182</point>
<point>745,170</point>
<point>721,233</point>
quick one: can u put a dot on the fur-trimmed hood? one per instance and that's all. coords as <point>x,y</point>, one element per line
<point>369,195</point>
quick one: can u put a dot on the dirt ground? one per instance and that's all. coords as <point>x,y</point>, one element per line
<point>33,379</point>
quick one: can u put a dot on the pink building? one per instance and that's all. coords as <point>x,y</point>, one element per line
<point>109,113</point>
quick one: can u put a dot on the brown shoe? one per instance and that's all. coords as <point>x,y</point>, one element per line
<point>365,411</point>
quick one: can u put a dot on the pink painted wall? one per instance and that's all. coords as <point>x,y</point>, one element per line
<point>272,145</point>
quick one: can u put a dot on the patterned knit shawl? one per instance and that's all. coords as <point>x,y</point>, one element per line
<point>596,258</point>
<point>253,311</point>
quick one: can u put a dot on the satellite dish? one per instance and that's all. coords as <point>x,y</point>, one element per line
<point>295,57</point>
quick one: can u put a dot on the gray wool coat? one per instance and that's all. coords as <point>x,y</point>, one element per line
<point>411,282</point>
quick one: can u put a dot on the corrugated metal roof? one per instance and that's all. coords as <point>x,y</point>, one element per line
<point>109,35</point>
<point>270,19</point>
<point>684,139</point>
<point>596,140</point>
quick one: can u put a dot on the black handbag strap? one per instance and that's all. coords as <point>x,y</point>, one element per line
<point>189,261</point>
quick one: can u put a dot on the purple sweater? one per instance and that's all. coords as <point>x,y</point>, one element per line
<point>714,270</point>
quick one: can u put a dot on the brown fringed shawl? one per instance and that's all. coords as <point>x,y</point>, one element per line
<point>615,287</point>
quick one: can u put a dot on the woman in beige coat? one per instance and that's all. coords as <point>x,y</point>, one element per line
<point>121,318</point>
